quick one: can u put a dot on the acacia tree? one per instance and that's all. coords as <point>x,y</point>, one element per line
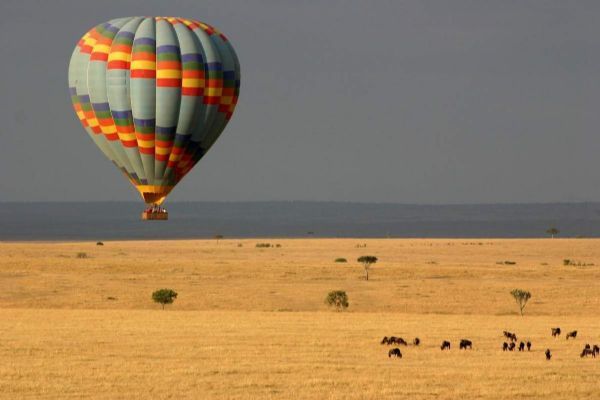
<point>164,296</point>
<point>552,232</point>
<point>218,237</point>
<point>521,297</point>
<point>367,261</point>
<point>337,299</point>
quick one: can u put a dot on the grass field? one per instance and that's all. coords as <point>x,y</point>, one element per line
<point>251,322</point>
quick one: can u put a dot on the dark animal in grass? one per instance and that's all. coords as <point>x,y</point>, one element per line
<point>466,344</point>
<point>596,350</point>
<point>572,334</point>
<point>587,346</point>
<point>511,336</point>
<point>401,341</point>
<point>555,332</point>
<point>511,346</point>
<point>391,340</point>
<point>528,345</point>
<point>521,346</point>
<point>395,353</point>
<point>445,345</point>
<point>587,352</point>
<point>384,340</point>
<point>504,346</point>
<point>548,354</point>
<point>417,341</point>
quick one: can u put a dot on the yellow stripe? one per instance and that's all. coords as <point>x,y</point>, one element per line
<point>146,144</point>
<point>119,56</point>
<point>108,129</point>
<point>162,150</point>
<point>168,73</point>
<point>93,122</point>
<point>213,91</point>
<point>143,64</point>
<point>192,82</point>
<point>127,136</point>
<point>101,48</point>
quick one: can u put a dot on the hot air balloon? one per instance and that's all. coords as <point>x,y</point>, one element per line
<point>154,94</point>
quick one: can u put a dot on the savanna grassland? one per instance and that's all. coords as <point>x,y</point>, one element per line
<point>252,323</point>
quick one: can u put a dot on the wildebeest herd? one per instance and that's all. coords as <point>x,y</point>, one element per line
<point>511,345</point>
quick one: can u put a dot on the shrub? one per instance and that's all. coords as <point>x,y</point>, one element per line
<point>340,260</point>
<point>164,296</point>
<point>263,245</point>
<point>337,299</point>
<point>82,255</point>
<point>99,244</point>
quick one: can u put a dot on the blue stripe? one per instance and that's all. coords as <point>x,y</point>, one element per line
<point>168,48</point>
<point>165,130</point>
<point>121,114</point>
<point>191,57</point>
<point>128,35</point>
<point>144,40</point>
<point>101,106</point>
<point>84,98</point>
<point>228,74</point>
<point>144,122</point>
<point>214,66</point>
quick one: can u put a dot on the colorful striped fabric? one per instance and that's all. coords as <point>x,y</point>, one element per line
<point>154,94</point>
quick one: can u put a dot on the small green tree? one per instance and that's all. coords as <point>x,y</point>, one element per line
<point>521,297</point>
<point>552,232</point>
<point>367,261</point>
<point>337,299</point>
<point>164,296</point>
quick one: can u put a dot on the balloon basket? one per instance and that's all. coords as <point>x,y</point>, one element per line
<point>155,215</point>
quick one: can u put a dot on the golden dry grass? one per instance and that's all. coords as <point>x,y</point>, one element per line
<point>251,323</point>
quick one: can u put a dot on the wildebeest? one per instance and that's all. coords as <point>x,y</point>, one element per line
<point>464,344</point>
<point>396,340</point>
<point>504,346</point>
<point>445,345</point>
<point>384,340</point>
<point>596,349</point>
<point>521,346</point>
<point>417,341</point>
<point>401,341</point>
<point>555,332</point>
<point>511,346</point>
<point>511,336</point>
<point>572,334</point>
<point>587,346</point>
<point>528,345</point>
<point>548,354</point>
<point>587,352</point>
<point>395,353</point>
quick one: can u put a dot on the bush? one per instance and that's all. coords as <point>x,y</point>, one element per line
<point>99,244</point>
<point>82,255</point>
<point>341,260</point>
<point>337,299</point>
<point>164,296</point>
<point>263,245</point>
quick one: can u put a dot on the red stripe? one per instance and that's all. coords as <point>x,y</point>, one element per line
<point>111,136</point>
<point>125,129</point>
<point>177,150</point>
<point>129,143</point>
<point>96,129</point>
<point>86,49</point>
<point>146,150</point>
<point>143,73</point>
<point>161,157</point>
<point>189,91</point>
<point>120,47</point>
<point>193,73</point>
<point>211,100</point>
<point>164,143</point>
<point>143,55</point>
<point>144,136</point>
<point>168,82</point>
<point>97,56</point>
<point>118,64</point>
<point>214,83</point>
<point>168,65</point>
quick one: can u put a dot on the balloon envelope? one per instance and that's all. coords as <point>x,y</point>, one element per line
<point>154,94</point>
